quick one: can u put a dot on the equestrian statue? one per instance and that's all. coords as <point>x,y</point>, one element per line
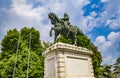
<point>63,26</point>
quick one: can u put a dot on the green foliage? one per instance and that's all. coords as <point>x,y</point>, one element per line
<point>35,39</point>
<point>84,41</point>
<point>8,54</point>
<point>64,39</point>
<point>10,39</point>
<point>46,45</point>
<point>116,67</point>
<point>96,60</point>
<point>107,72</point>
<point>35,70</point>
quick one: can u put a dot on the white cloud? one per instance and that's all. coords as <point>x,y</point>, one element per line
<point>95,6</point>
<point>80,2</point>
<point>89,22</point>
<point>100,40</point>
<point>104,0</point>
<point>111,14</point>
<point>113,23</point>
<point>114,37</point>
<point>23,13</point>
<point>109,46</point>
<point>108,22</point>
<point>22,9</point>
<point>109,60</point>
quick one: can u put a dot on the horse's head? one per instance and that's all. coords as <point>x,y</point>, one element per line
<point>50,15</point>
<point>53,17</point>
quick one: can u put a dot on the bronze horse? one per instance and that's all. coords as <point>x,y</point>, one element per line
<point>59,28</point>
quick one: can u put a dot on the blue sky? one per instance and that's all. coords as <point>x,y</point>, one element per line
<point>98,19</point>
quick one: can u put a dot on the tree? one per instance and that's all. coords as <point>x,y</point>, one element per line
<point>84,41</point>
<point>46,45</point>
<point>9,43</point>
<point>117,68</point>
<point>35,39</point>
<point>7,56</point>
<point>107,71</point>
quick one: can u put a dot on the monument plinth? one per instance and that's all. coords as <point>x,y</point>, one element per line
<point>67,61</point>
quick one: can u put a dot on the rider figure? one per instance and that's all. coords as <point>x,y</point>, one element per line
<point>65,20</point>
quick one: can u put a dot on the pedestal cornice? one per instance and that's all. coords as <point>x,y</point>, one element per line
<point>67,48</point>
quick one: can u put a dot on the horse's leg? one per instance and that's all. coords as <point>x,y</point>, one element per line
<point>56,35</point>
<point>75,42</point>
<point>74,38</point>
<point>51,31</point>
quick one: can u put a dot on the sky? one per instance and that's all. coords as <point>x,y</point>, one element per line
<point>98,19</point>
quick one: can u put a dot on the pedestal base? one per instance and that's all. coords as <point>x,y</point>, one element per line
<point>67,61</point>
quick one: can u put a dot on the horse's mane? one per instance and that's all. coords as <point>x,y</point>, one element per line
<point>56,17</point>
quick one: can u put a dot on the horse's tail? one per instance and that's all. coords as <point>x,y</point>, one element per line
<point>79,32</point>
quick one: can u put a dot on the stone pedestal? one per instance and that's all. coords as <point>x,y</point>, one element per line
<point>67,61</point>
